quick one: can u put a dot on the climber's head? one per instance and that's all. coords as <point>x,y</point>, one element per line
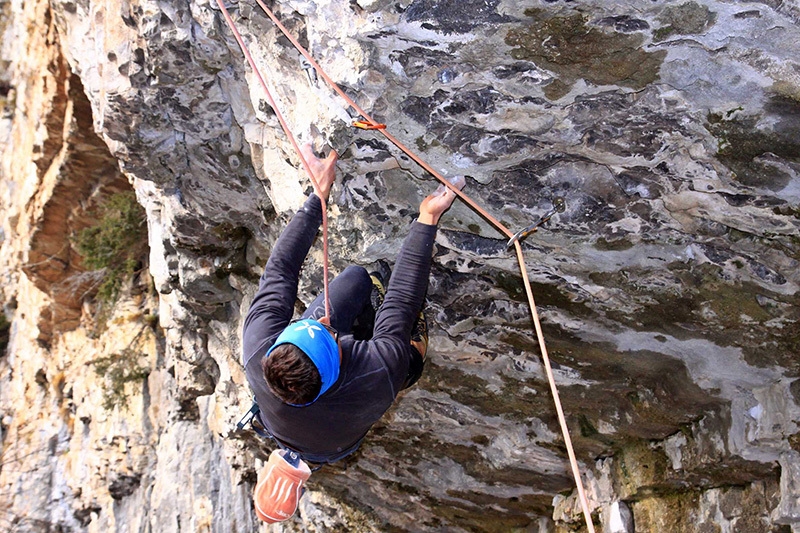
<point>303,363</point>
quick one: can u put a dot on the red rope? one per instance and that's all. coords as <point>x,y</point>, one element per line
<point>292,140</point>
<point>466,199</point>
<point>562,421</point>
<point>333,85</point>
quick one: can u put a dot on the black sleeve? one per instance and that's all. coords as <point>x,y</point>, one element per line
<point>405,296</point>
<point>273,305</point>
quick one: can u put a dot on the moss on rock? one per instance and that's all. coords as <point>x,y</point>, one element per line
<point>743,145</point>
<point>686,19</point>
<point>569,47</point>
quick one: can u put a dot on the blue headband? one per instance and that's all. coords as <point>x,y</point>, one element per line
<point>318,344</point>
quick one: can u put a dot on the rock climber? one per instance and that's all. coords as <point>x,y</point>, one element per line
<point>318,387</point>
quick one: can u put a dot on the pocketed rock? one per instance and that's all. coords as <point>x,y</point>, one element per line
<point>668,288</point>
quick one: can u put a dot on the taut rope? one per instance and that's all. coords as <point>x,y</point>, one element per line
<point>466,199</point>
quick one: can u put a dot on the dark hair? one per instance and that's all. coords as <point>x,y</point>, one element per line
<point>291,375</point>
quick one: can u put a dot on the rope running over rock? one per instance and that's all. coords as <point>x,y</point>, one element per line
<point>296,147</point>
<point>466,199</point>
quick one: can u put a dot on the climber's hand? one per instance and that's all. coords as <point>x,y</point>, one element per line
<point>324,169</point>
<point>434,205</point>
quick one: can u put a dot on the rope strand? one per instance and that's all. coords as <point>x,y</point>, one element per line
<point>466,199</point>
<point>573,462</point>
<point>338,90</point>
<point>288,132</point>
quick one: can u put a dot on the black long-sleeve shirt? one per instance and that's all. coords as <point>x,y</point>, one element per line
<point>372,372</point>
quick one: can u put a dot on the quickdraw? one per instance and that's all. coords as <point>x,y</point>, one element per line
<point>364,125</point>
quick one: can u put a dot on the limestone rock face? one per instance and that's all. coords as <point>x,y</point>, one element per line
<point>668,288</point>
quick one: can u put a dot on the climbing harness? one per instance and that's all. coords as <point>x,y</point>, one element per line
<point>252,418</point>
<point>514,238</point>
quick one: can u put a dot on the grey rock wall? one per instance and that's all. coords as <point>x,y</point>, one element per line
<point>667,289</point>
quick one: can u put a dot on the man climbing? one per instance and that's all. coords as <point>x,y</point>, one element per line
<point>319,388</point>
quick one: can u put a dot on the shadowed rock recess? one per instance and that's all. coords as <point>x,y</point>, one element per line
<point>668,289</point>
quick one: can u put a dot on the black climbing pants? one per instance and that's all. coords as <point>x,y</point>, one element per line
<point>352,312</point>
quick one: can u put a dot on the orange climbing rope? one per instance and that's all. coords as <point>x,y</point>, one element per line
<point>371,124</point>
<point>292,140</point>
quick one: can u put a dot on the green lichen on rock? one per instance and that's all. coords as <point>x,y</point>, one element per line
<point>749,151</point>
<point>117,242</point>
<point>413,449</point>
<point>686,19</point>
<point>5,327</point>
<point>7,95</point>
<point>786,89</point>
<point>733,304</point>
<point>641,469</point>
<point>689,511</point>
<point>570,48</point>
<point>613,244</point>
<point>546,294</point>
<point>119,370</point>
<point>557,89</point>
<point>644,469</point>
<point>667,512</point>
<point>736,313</point>
<point>724,304</point>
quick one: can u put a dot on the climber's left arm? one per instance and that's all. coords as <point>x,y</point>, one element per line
<point>407,286</point>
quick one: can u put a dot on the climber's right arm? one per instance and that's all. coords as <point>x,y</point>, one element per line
<point>273,305</point>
